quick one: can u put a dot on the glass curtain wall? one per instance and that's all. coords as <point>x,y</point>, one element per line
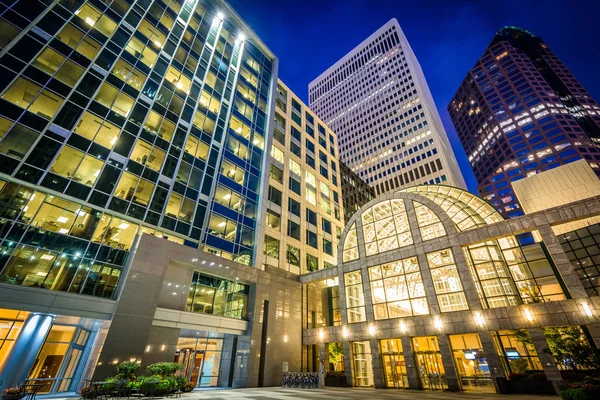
<point>471,363</point>
<point>212,295</point>
<point>362,363</point>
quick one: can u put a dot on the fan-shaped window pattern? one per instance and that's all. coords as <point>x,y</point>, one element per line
<point>397,289</point>
<point>429,224</point>
<point>385,227</point>
<point>446,281</point>
<point>350,250</point>
<point>466,210</point>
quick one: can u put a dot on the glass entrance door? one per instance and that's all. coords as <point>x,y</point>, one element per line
<point>471,363</point>
<point>363,363</point>
<point>394,367</point>
<point>201,358</point>
<point>429,362</point>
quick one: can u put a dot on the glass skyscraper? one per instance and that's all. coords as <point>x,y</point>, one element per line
<point>520,111</point>
<point>125,117</point>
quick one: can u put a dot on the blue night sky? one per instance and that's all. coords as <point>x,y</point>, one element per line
<point>447,36</point>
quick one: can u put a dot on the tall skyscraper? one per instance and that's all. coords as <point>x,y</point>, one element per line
<point>520,111</point>
<point>377,101</point>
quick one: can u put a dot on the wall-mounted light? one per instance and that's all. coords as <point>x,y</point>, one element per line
<point>345,332</point>
<point>162,347</point>
<point>402,326</point>
<point>321,335</point>
<point>528,315</point>
<point>285,338</point>
<point>586,309</point>
<point>147,348</point>
<point>372,330</point>
<point>437,323</point>
<point>479,320</point>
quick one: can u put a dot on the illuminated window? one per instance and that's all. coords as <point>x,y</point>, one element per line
<point>239,127</point>
<point>145,154</point>
<point>110,97</point>
<point>397,289</point>
<point>209,102</point>
<point>180,207</point>
<point>115,232</point>
<point>350,249</point>
<point>133,76</point>
<point>94,18</point>
<point>229,198</point>
<point>135,189</point>
<point>182,82</point>
<point>355,299</point>
<point>96,129</point>
<point>295,167</point>
<point>147,55</point>
<point>196,148</point>
<point>78,166</point>
<point>237,148</point>
<point>446,281</point>
<point>74,38</point>
<point>233,172</point>
<point>159,125</point>
<point>204,123</point>
<point>53,63</point>
<point>222,227</point>
<point>429,223</point>
<point>491,275</point>
<point>29,95</point>
<point>385,227</point>
<point>277,154</point>
<point>532,271</point>
<point>154,34</point>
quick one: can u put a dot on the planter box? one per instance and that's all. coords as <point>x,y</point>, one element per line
<point>340,381</point>
<point>530,387</point>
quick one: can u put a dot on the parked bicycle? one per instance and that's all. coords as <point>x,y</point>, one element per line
<point>304,380</point>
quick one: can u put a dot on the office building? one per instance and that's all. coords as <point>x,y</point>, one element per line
<point>117,119</point>
<point>520,111</point>
<point>303,207</point>
<point>355,191</point>
<point>377,101</point>
<point>433,283</point>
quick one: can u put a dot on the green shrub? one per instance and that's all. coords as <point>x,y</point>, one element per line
<point>126,370</point>
<point>164,369</point>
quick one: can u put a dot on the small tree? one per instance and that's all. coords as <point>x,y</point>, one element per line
<point>336,353</point>
<point>570,349</point>
<point>126,370</point>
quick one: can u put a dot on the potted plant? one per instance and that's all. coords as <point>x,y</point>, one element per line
<point>189,387</point>
<point>14,393</point>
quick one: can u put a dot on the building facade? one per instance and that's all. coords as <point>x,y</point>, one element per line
<point>435,290</point>
<point>304,205</point>
<point>520,111</point>
<point>377,101</point>
<point>355,191</point>
<point>118,119</point>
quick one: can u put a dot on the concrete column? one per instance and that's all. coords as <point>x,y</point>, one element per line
<point>377,367</point>
<point>547,360</point>
<point>448,363</point>
<point>563,265</point>
<point>22,356</point>
<point>491,356</point>
<point>411,364</point>
<point>348,363</point>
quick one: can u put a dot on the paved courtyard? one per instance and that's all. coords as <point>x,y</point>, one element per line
<point>346,394</point>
